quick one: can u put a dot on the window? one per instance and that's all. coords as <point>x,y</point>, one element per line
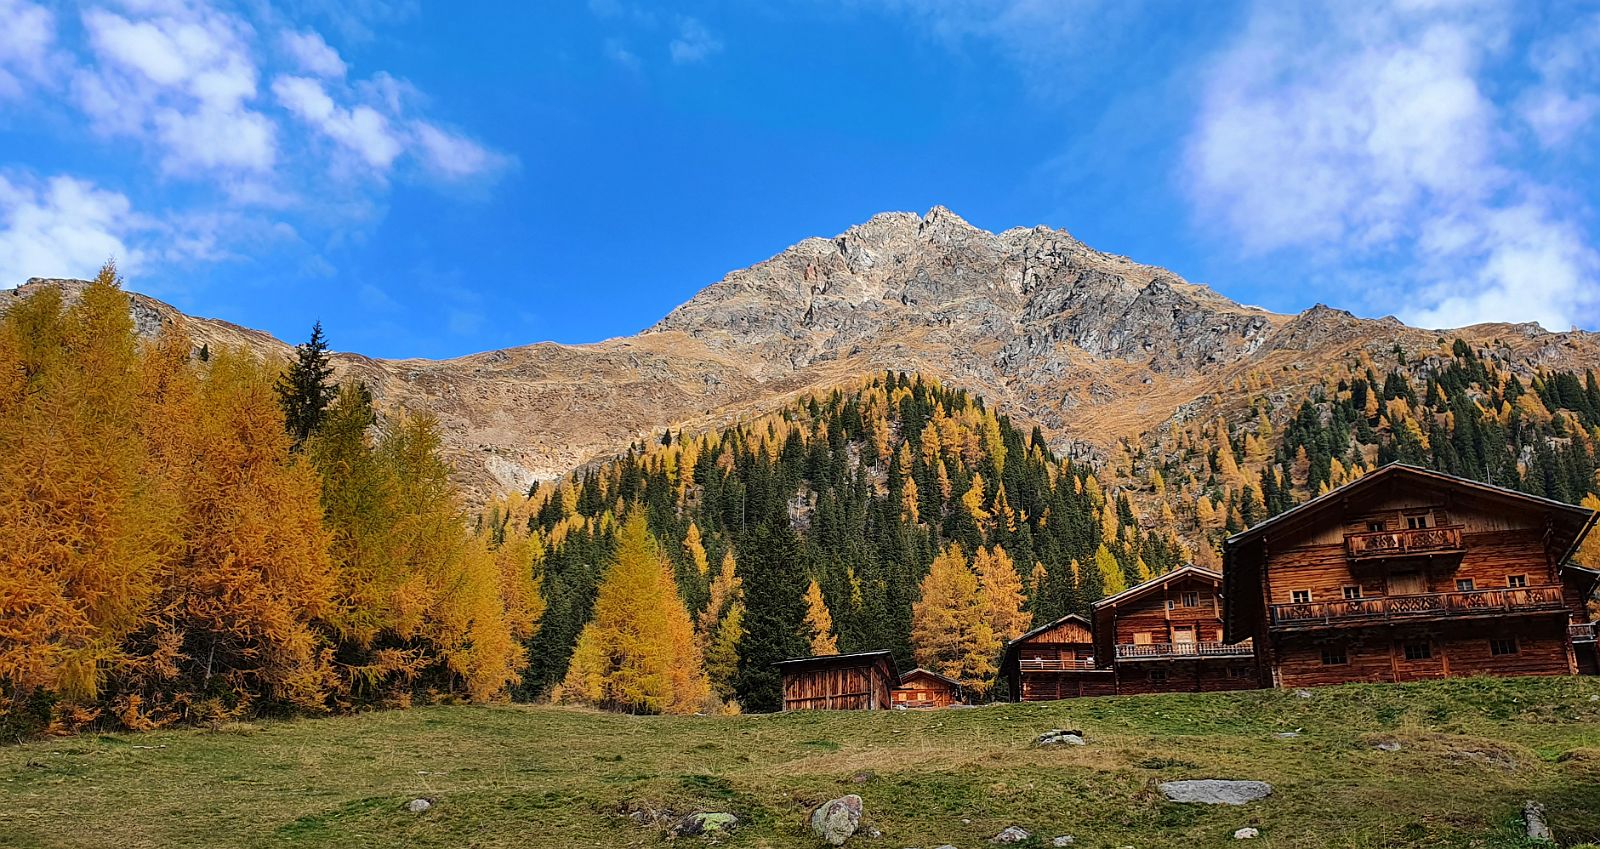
<point>1465,585</point>
<point>1352,593</point>
<point>1239,672</point>
<point>1191,599</point>
<point>1158,676</point>
<point>1334,657</point>
<point>1300,597</point>
<point>1375,526</point>
<point>1418,651</point>
<point>1504,646</point>
<point>1141,638</point>
<point>1417,522</point>
<point>1171,604</point>
<point>1516,581</point>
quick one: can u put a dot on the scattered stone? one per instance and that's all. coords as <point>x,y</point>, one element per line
<point>417,806</point>
<point>713,822</point>
<point>1063,840</point>
<point>1215,791</point>
<point>1010,834</point>
<point>1594,698</point>
<point>1302,694</point>
<point>1389,746</point>
<point>1287,735</point>
<point>1060,737</point>
<point>872,832</point>
<point>1246,834</point>
<point>835,821</point>
<point>1538,829</point>
<point>863,777</point>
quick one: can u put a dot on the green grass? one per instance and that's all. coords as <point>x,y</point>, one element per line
<point>527,776</point>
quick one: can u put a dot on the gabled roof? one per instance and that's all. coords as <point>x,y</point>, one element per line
<point>1588,578</point>
<point>1243,553</point>
<point>861,658</point>
<point>931,674</point>
<point>1158,582</point>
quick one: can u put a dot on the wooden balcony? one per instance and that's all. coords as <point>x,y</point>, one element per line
<point>1583,632</point>
<point>1375,545</point>
<point>1182,651</point>
<point>1051,664</point>
<point>1426,606</point>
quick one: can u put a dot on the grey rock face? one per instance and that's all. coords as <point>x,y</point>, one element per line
<point>835,821</point>
<point>1214,791</point>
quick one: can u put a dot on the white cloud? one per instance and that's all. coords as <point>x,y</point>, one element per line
<point>619,53</point>
<point>694,43</point>
<point>62,227</point>
<point>361,129</point>
<point>26,48</point>
<point>313,55</point>
<point>455,156</point>
<point>1564,102</point>
<point>181,79</point>
<point>1361,132</point>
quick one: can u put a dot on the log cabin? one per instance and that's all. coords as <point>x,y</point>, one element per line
<point>923,688</point>
<point>860,681</point>
<point>1407,574</point>
<point>1165,636</point>
<point>1055,661</point>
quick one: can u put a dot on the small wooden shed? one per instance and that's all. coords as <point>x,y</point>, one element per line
<point>924,688</point>
<point>860,681</point>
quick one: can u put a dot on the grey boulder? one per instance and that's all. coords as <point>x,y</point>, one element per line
<point>1010,834</point>
<point>1215,791</point>
<point>835,821</point>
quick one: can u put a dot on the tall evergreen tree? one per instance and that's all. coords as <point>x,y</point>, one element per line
<point>306,388</point>
<point>773,576</point>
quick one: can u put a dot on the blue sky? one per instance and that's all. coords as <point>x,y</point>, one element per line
<point>437,179</point>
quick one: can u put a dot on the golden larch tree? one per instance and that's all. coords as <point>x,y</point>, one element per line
<point>1003,598</point>
<point>637,653</point>
<point>819,623</point>
<point>950,631</point>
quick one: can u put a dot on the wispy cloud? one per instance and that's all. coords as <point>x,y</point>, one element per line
<point>1368,132</point>
<point>248,102</point>
<point>694,43</point>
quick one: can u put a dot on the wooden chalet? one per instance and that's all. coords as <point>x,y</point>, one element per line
<point>1165,636</point>
<point>1407,574</point>
<point>1056,661</point>
<point>861,681</point>
<point>923,688</point>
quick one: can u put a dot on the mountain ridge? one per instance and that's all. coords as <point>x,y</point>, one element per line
<point>1092,347</point>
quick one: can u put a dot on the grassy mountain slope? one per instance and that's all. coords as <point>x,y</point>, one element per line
<point>515,776</point>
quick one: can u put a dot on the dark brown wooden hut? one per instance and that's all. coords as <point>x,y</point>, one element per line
<point>860,681</point>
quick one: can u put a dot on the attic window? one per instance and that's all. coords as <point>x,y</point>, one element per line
<point>1300,597</point>
<point>1516,581</point>
<point>1351,593</point>
<point>1375,525</point>
<point>1417,522</point>
<point>1191,599</point>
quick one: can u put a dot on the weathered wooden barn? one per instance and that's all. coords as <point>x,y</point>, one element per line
<point>1056,661</point>
<point>860,681</point>
<point>1165,636</point>
<point>924,688</point>
<point>1407,574</point>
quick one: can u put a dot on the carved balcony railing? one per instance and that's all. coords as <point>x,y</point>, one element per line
<point>1584,632</point>
<point>1051,664</point>
<point>1428,605</point>
<point>1416,541</point>
<point>1180,651</point>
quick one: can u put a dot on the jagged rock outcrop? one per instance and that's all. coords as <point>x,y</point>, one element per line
<point>1091,346</point>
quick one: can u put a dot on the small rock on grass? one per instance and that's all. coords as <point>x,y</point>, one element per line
<point>1063,840</point>
<point>1010,834</point>
<point>1060,737</point>
<point>836,820</point>
<point>1302,694</point>
<point>417,806</point>
<point>1538,828</point>
<point>713,822</point>
<point>1388,746</point>
<point>1246,834</point>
